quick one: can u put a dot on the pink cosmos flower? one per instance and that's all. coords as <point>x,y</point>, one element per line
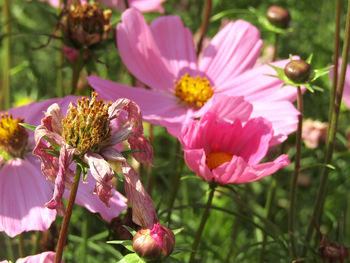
<point>89,131</point>
<point>45,257</point>
<point>313,132</point>
<point>346,93</point>
<point>230,152</point>
<point>23,188</point>
<point>162,56</point>
<point>142,5</point>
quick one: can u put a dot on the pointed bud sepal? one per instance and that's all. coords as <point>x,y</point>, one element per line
<point>300,73</point>
<point>264,21</point>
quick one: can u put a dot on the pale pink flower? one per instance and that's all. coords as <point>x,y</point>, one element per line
<point>163,57</point>
<point>313,132</point>
<point>346,92</point>
<point>24,190</point>
<point>45,257</point>
<point>230,152</point>
<point>89,131</point>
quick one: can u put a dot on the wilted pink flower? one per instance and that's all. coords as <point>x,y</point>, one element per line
<point>313,132</point>
<point>230,151</point>
<point>23,188</point>
<point>346,92</point>
<point>89,131</point>
<point>142,5</point>
<point>163,57</point>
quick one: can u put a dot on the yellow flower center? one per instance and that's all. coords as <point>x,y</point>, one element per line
<point>86,126</point>
<point>216,159</point>
<point>193,91</point>
<point>13,137</point>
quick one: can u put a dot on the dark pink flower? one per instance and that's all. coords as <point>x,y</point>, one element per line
<point>89,131</point>
<point>163,57</point>
<point>230,152</point>
<point>24,190</point>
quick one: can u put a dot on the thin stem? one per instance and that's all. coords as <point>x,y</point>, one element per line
<point>335,56</point>
<point>85,237</point>
<point>322,190</point>
<point>292,197</point>
<point>59,73</point>
<point>35,248</point>
<point>275,46</point>
<point>6,63</point>
<point>205,216</point>
<point>20,246</point>
<point>179,165</point>
<point>126,2</point>
<point>77,67</point>
<point>205,24</point>
<point>64,228</point>
<point>9,248</point>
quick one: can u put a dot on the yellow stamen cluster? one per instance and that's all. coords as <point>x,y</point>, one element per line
<point>215,159</point>
<point>87,24</point>
<point>86,126</point>
<point>13,137</point>
<point>193,91</point>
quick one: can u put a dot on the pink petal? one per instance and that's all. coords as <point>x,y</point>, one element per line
<point>156,107</point>
<point>346,92</point>
<point>23,193</point>
<point>143,145</point>
<point>256,172</point>
<point>282,115</point>
<point>148,5</point>
<point>175,44</point>
<point>229,172</point>
<point>45,257</point>
<point>143,211</point>
<point>89,200</point>
<point>232,51</point>
<point>195,160</point>
<point>140,53</point>
<point>103,174</point>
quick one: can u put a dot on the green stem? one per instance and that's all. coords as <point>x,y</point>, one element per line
<point>20,246</point>
<point>322,190</point>
<point>179,165</point>
<point>205,24</point>
<point>275,46</point>
<point>205,216</point>
<point>292,207</point>
<point>37,236</point>
<point>6,63</point>
<point>77,67</point>
<point>9,248</point>
<point>59,73</point>
<point>64,228</point>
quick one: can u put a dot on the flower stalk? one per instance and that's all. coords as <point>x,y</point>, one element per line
<point>64,228</point>
<point>292,197</point>
<point>6,63</point>
<point>205,217</point>
<point>205,24</point>
<point>322,191</point>
<point>59,74</point>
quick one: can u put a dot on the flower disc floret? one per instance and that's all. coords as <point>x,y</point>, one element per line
<point>86,126</point>
<point>193,91</point>
<point>13,137</point>
<point>215,159</point>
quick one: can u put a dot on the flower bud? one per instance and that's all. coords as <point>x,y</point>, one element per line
<point>298,71</point>
<point>278,16</point>
<point>154,243</point>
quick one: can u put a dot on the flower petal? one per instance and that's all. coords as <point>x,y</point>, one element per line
<point>140,53</point>
<point>23,193</point>
<point>143,211</point>
<point>195,160</point>
<point>232,51</point>
<point>45,257</point>
<point>147,5</point>
<point>144,148</point>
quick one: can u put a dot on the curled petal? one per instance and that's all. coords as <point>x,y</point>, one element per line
<point>144,148</point>
<point>65,159</point>
<point>54,111</point>
<point>103,174</point>
<point>143,212</point>
<point>49,162</point>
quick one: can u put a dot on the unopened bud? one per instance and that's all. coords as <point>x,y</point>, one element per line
<point>278,16</point>
<point>154,243</point>
<point>298,71</point>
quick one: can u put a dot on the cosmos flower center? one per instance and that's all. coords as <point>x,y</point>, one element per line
<point>13,137</point>
<point>86,126</point>
<point>215,159</point>
<point>87,24</point>
<point>193,91</point>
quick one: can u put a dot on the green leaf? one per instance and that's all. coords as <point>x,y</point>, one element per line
<point>177,231</point>
<point>131,258</point>
<point>186,177</point>
<point>125,243</point>
<point>28,126</point>
<point>132,231</point>
<point>52,152</point>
